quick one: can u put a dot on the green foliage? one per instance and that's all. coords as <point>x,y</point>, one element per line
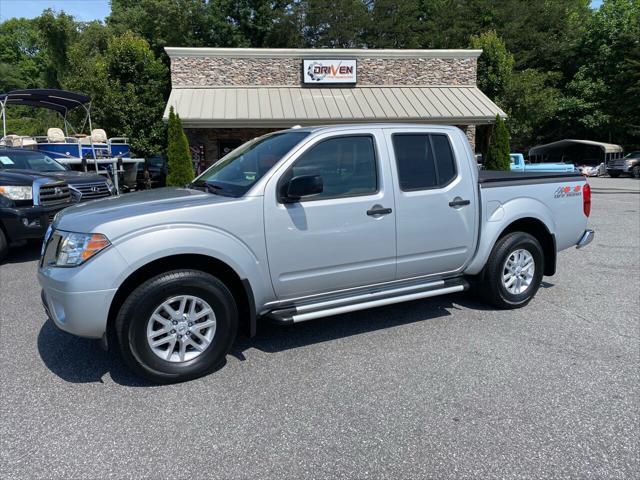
<point>497,157</point>
<point>557,68</point>
<point>531,102</point>
<point>180,168</point>
<point>495,64</point>
<point>21,56</point>
<point>58,31</point>
<point>128,85</point>
<point>394,24</point>
<point>335,23</point>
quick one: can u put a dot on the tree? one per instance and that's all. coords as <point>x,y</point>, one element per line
<point>180,168</point>
<point>394,24</point>
<point>58,32</point>
<point>495,65</point>
<point>531,103</point>
<point>335,23</point>
<point>498,153</point>
<point>129,87</point>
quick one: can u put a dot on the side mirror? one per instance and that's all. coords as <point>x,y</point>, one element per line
<point>303,186</point>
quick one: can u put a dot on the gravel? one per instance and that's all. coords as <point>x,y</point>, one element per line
<point>441,388</point>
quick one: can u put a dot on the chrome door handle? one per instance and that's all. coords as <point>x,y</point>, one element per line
<point>459,202</point>
<point>378,210</point>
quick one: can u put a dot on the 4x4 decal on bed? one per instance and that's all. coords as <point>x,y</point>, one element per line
<point>568,191</point>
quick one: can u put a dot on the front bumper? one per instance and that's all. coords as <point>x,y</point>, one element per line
<point>81,313</point>
<point>78,299</point>
<point>586,238</point>
<point>28,223</point>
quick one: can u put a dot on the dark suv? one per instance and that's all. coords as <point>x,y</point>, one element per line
<point>630,165</point>
<point>33,188</point>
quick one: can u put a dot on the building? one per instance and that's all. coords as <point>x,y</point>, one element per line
<point>226,96</point>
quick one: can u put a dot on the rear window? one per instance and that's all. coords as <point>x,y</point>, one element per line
<point>423,160</point>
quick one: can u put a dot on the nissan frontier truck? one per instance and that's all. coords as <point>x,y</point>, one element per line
<point>298,225</point>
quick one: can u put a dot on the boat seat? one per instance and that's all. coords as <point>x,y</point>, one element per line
<point>98,135</point>
<point>55,135</point>
<point>19,141</point>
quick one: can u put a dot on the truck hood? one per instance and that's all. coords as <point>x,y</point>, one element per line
<point>26,177</point>
<point>115,216</point>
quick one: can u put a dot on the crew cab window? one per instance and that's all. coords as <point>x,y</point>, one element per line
<point>424,160</point>
<point>347,166</point>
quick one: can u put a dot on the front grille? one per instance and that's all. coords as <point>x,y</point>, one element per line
<point>90,191</point>
<point>54,194</point>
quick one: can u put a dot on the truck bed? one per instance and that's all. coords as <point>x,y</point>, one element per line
<point>494,178</point>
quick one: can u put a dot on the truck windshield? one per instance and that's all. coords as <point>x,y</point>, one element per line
<point>28,160</point>
<point>237,172</point>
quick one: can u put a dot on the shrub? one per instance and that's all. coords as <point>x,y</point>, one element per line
<point>498,152</point>
<point>180,168</point>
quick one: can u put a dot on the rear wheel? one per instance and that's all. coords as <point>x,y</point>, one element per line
<point>635,171</point>
<point>513,272</point>
<point>177,326</point>
<point>4,245</point>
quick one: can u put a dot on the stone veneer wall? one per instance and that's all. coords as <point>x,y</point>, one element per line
<point>225,71</point>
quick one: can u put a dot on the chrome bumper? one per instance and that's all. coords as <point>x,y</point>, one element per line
<point>585,239</point>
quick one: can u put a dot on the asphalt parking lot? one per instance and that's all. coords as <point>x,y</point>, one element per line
<point>440,388</point>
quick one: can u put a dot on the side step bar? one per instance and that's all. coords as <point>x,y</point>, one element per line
<point>311,311</point>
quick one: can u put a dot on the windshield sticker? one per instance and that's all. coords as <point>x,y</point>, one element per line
<point>6,160</point>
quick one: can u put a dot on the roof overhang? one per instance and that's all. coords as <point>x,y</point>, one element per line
<point>317,53</point>
<point>283,107</point>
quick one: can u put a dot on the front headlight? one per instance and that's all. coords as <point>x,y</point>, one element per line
<point>17,193</point>
<point>77,248</point>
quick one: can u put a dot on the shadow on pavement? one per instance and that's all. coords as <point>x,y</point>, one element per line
<point>81,360</point>
<point>24,253</point>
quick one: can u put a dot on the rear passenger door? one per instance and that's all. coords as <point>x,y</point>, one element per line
<point>435,201</point>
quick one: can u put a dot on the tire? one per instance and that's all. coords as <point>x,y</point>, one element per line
<point>613,174</point>
<point>635,171</point>
<point>159,364</point>
<point>4,245</point>
<point>492,286</point>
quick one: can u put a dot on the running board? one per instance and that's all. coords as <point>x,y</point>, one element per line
<point>311,311</point>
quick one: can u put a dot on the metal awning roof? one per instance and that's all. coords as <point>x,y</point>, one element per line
<point>607,147</point>
<point>255,107</point>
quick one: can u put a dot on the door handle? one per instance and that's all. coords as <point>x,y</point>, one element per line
<point>459,202</point>
<point>377,210</point>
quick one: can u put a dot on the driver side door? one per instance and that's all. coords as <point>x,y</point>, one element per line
<point>332,240</point>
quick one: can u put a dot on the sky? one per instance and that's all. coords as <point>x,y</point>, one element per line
<point>83,10</point>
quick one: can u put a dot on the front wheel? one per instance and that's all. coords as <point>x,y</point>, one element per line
<point>513,272</point>
<point>177,326</point>
<point>614,174</point>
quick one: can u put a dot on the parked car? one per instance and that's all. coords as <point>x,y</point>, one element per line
<point>592,170</point>
<point>152,173</point>
<point>518,164</point>
<point>33,188</point>
<point>628,165</point>
<point>298,225</point>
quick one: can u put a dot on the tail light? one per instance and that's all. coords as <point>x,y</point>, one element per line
<point>586,199</point>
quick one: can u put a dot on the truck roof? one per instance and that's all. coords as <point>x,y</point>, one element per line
<point>354,126</point>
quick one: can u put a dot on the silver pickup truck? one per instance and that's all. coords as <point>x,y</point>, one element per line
<point>297,225</point>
